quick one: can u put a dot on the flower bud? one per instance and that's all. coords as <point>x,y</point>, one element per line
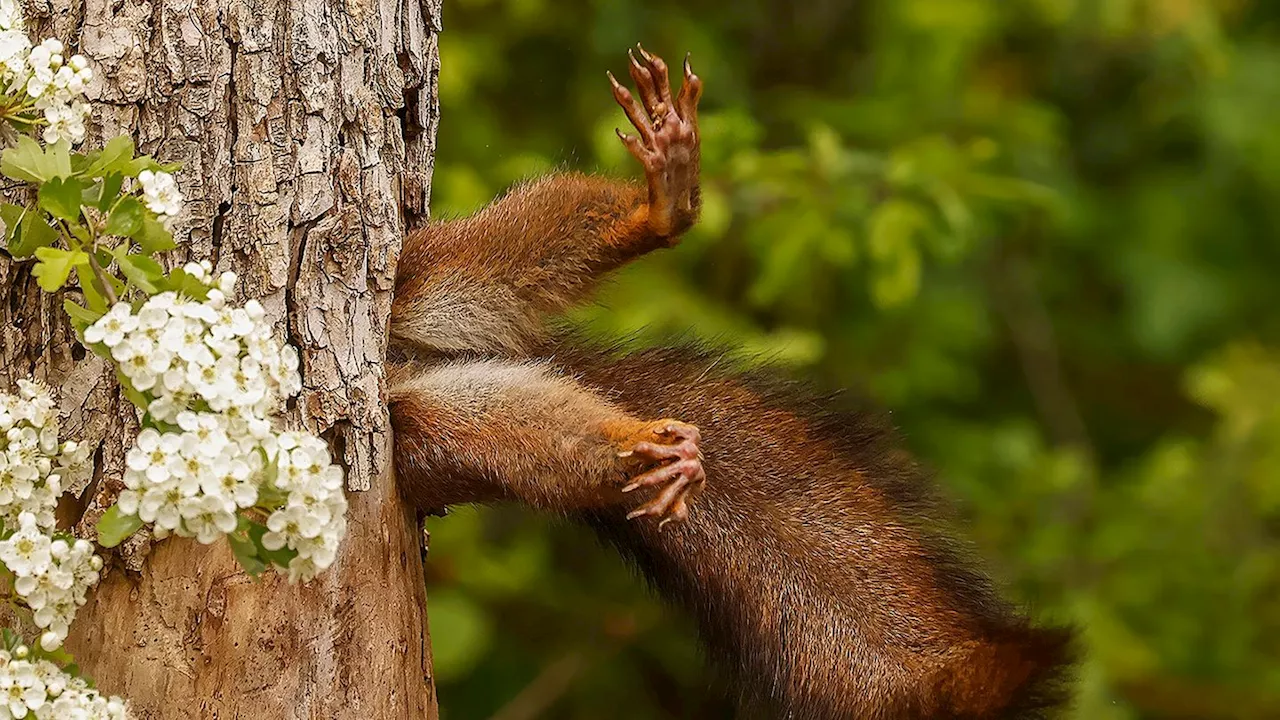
<point>50,640</point>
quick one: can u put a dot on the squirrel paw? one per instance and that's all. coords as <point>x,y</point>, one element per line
<point>679,475</point>
<point>667,145</point>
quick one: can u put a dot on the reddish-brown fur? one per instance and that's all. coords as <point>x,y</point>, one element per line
<point>809,556</point>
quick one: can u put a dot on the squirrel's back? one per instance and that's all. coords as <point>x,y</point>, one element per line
<point>813,560</point>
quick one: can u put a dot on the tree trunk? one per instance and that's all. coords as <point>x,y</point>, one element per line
<point>306,130</point>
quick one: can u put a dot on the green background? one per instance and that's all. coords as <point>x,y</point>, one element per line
<point>1043,232</point>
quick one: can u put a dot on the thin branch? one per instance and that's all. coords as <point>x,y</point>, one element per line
<point>101,274</point>
<point>1031,332</point>
<point>545,689</point>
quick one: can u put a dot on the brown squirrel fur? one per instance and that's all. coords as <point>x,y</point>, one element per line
<point>804,541</point>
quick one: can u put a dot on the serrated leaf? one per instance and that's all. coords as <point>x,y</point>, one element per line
<point>271,497</point>
<point>142,271</point>
<point>55,266</point>
<point>110,190</point>
<point>183,284</point>
<point>246,550</point>
<point>114,526</point>
<point>154,237</point>
<point>114,158</point>
<point>24,161</point>
<point>81,317</point>
<point>12,216</point>
<point>146,162</point>
<point>94,296</point>
<point>34,233</point>
<point>125,218</point>
<point>61,198</point>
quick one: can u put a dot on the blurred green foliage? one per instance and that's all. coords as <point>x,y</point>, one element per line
<point>1044,232</point>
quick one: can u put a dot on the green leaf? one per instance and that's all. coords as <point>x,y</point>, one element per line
<point>154,237</point>
<point>58,656</point>
<point>55,266</point>
<point>81,317</point>
<point>279,557</point>
<point>114,526</point>
<point>146,162</point>
<point>57,158</point>
<point>892,244</point>
<point>142,271</point>
<point>25,161</point>
<point>61,198</point>
<point>132,394</point>
<point>126,217</point>
<point>111,185</point>
<point>246,551</point>
<point>183,284</point>
<point>12,216</point>
<point>114,158</point>
<point>103,193</point>
<point>94,294</point>
<point>271,497</point>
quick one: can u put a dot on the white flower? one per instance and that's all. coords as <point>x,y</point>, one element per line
<point>26,552</point>
<point>40,689</point>
<point>208,518</point>
<point>110,329</point>
<point>289,526</point>
<point>216,372</point>
<point>65,121</point>
<point>227,283</point>
<point>154,454</point>
<point>189,470</point>
<point>11,16</point>
<point>160,193</point>
<point>14,46</point>
<point>205,434</point>
<point>159,505</point>
<point>185,337</point>
<point>128,501</point>
<point>43,61</point>
<point>235,482</point>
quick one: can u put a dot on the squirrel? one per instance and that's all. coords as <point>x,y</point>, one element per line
<point>802,540</point>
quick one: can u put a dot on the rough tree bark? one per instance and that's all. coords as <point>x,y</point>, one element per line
<point>306,130</point>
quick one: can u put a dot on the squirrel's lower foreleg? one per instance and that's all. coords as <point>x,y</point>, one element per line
<point>484,282</point>
<point>488,430</point>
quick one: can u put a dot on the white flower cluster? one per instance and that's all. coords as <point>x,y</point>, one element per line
<point>56,84</point>
<point>40,689</point>
<point>160,193</point>
<point>215,375</point>
<point>193,355</point>
<point>51,575</point>
<point>31,460</point>
<point>313,518</point>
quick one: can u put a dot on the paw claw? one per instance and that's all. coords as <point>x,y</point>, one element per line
<point>667,145</point>
<point>676,471</point>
